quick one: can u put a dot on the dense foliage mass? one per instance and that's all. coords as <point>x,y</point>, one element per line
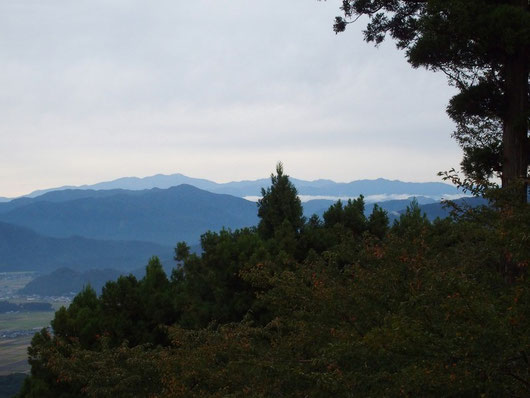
<point>10,384</point>
<point>347,306</point>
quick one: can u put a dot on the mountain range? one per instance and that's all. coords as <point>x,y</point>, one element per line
<point>26,250</point>
<point>162,216</point>
<point>320,187</point>
<point>116,226</point>
<point>22,249</point>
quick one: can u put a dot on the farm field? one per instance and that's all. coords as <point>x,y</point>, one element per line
<point>18,328</point>
<point>24,320</point>
<point>13,355</point>
<point>13,347</point>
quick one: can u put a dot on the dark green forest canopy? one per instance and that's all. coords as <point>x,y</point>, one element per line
<point>279,205</point>
<point>344,306</point>
<point>483,46</point>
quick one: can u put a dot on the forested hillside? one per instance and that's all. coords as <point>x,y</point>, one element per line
<point>22,249</point>
<point>65,281</point>
<point>162,216</point>
<point>342,306</point>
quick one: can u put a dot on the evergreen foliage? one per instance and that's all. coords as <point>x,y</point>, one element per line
<point>346,306</point>
<point>279,204</point>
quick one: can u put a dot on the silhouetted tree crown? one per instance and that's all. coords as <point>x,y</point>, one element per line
<point>279,205</point>
<point>483,46</point>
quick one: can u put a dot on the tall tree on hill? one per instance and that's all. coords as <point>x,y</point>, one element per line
<point>483,46</point>
<point>279,205</point>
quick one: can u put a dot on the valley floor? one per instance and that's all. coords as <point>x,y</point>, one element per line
<point>18,328</point>
<point>13,355</point>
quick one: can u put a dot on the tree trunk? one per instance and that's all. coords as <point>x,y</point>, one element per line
<point>515,134</point>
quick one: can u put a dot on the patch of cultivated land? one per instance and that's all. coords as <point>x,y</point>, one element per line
<point>10,282</point>
<point>14,355</point>
<point>17,328</point>
<point>24,320</point>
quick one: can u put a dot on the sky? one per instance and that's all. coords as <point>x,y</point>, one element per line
<point>93,90</point>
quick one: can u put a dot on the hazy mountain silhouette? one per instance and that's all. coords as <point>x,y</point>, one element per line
<point>379,186</point>
<point>65,281</point>
<point>137,184</point>
<point>63,196</point>
<point>441,210</point>
<point>163,216</point>
<point>320,187</point>
<point>22,249</point>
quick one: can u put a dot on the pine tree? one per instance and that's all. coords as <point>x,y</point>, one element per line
<point>279,204</point>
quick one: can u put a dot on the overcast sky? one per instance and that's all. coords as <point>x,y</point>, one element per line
<point>220,89</point>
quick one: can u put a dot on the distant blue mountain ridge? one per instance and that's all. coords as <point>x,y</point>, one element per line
<point>119,229</point>
<point>321,187</point>
<point>22,249</point>
<point>162,216</point>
